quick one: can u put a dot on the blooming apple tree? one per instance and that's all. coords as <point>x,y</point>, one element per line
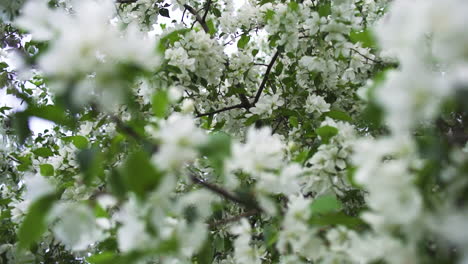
<point>234,132</point>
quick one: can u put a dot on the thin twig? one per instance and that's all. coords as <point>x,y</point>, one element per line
<point>183,15</point>
<point>366,57</point>
<point>221,110</point>
<point>14,159</point>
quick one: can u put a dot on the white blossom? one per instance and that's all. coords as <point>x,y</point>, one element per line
<point>261,151</point>
<point>316,103</point>
<point>179,137</point>
<point>76,227</point>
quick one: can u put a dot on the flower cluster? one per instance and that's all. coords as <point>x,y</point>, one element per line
<point>291,132</point>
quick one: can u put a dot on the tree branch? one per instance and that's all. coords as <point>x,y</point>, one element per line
<point>207,8</point>
<point>183,15</point>
<point>126,1</point>
<point>14,159</point>
<point>198,18</point>
<point>232,219</point>
<point>224,193</point>
<point>221,110</point>
<point>128,130</point>
<point>277,126</point>
<point>265,78</point>
<point>366,57</point>
<point>257,96</point>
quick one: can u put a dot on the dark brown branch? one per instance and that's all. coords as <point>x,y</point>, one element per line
<point>277,126</point>
<point>224,193</point>
<point>14,159</point>
<point>265,78</point>
<point>125,128</point>
<point>198,18</point>
<point>232,219</point>
<point>128,130</point>
<point>257,96</point>
<point>126,1</point>
<point>207,9</point>
<point>183,15</point>
<point>366,57</point>
<point>221,110</point>
<point>232,40</point>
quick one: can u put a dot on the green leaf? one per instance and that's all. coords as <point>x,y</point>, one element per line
<point>325,204</point>
<point>99,211</point>
<point>211,27</point>
<point>5,201</point>
<point>271,234</point>
<point>279,68</point>
<point>336,219</point>
<point>160,103</point>
<point>80,142</point>
<point>174,69</point>
<point>43,152</point>
<point>301,157</point>
<point>255,52</point>
<point>217,149</point>
<point>326,133</point>
<point>365,37</point>
<point>294,121</point>
<point>116,184</point>
<point>4,108</point>
<point>339,115</point>
<point>350,174</point>
<point>373,116</point>
<point>21,126</point>
<point>25,162</point>
<point>90,161</point>
<point>243,41</point>
<point>168,246</point>
<point>52,113</point>
<point>170,39</point>
<point>219,125</point>
<point>206,254</point>
<point>102,258</point>
<point>3,82</point>
<point>218,243</point>
<point>325,9</point>
<point>34,223</point>
<point>251,120</point>
<point>164,12</point>
<point>293,6</point>
<point>46,170</point>
<point>109,257</point>
<point>269,14</point>
<point>216,12</point>
<point>139,175</point>
<point>3,65</point>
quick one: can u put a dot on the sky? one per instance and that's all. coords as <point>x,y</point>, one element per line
<point>36,124</point>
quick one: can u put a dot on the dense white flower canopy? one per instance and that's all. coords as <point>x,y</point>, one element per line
<point>234,132</point>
